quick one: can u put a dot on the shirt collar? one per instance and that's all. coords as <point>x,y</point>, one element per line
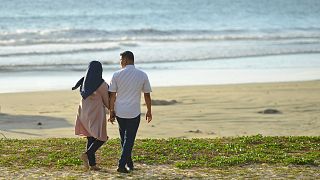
<point>129,66</point>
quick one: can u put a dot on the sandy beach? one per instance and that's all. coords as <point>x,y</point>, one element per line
<point>199,112</point>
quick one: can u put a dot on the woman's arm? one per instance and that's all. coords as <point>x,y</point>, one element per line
<point>112,114</point>
<point>105,96</point>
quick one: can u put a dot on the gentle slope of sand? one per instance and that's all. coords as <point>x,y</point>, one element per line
<point>201,111</point>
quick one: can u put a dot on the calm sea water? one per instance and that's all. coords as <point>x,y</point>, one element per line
<point>64,35</point>
<point>61,32</point>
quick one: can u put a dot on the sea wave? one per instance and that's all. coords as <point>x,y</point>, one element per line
<point>65,36</point>
<point>51,67</point>
<point>58,52</point>
<point>111,65</point>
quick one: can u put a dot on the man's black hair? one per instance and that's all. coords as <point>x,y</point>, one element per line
<point>128,55</point>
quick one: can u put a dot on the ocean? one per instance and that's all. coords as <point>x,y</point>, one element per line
<point>46,45</point>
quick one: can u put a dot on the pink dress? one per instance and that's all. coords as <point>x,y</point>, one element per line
<point>91,117</point>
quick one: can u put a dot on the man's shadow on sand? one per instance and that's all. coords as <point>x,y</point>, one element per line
<point>16,123</point>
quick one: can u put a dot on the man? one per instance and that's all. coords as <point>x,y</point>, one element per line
<point>125,96</point>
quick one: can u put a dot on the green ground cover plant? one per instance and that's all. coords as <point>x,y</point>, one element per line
<point>63,153</point>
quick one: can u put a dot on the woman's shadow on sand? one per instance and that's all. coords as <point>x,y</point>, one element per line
<point>16,123</point>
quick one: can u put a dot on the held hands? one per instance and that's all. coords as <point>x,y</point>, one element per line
<point>112,116</point>
<point>149,116</point>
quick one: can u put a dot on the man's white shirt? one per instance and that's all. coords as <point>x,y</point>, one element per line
<point>129,83</point>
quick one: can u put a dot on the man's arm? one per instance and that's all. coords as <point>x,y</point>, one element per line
<point>112,114</point>
<point>147,99</point>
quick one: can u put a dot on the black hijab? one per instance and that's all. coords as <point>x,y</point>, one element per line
<point>91,81</point>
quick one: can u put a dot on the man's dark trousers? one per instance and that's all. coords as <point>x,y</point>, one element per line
<point>128,130</point>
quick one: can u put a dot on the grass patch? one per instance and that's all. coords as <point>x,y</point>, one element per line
<point>64,153</point>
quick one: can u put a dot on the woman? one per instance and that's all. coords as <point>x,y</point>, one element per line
<point>91,117</point>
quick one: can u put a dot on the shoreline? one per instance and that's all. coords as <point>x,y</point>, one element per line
<point>173,86</point>
<point>206,111</point>
<point>282,68</point>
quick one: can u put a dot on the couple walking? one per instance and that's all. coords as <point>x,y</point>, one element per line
<point>121,98</point>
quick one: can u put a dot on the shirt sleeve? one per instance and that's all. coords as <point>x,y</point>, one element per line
<point>146,85</point>
<point>113,84</point>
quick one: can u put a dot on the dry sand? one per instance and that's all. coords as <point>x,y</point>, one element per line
<point>200,111</point>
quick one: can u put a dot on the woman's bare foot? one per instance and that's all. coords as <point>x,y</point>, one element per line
<point>84,158</point>
<point>95,168</point>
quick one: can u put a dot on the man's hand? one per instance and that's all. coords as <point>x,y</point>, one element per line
<point>112,116</point>
<point>147,99</point>
<point>149,116</point>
